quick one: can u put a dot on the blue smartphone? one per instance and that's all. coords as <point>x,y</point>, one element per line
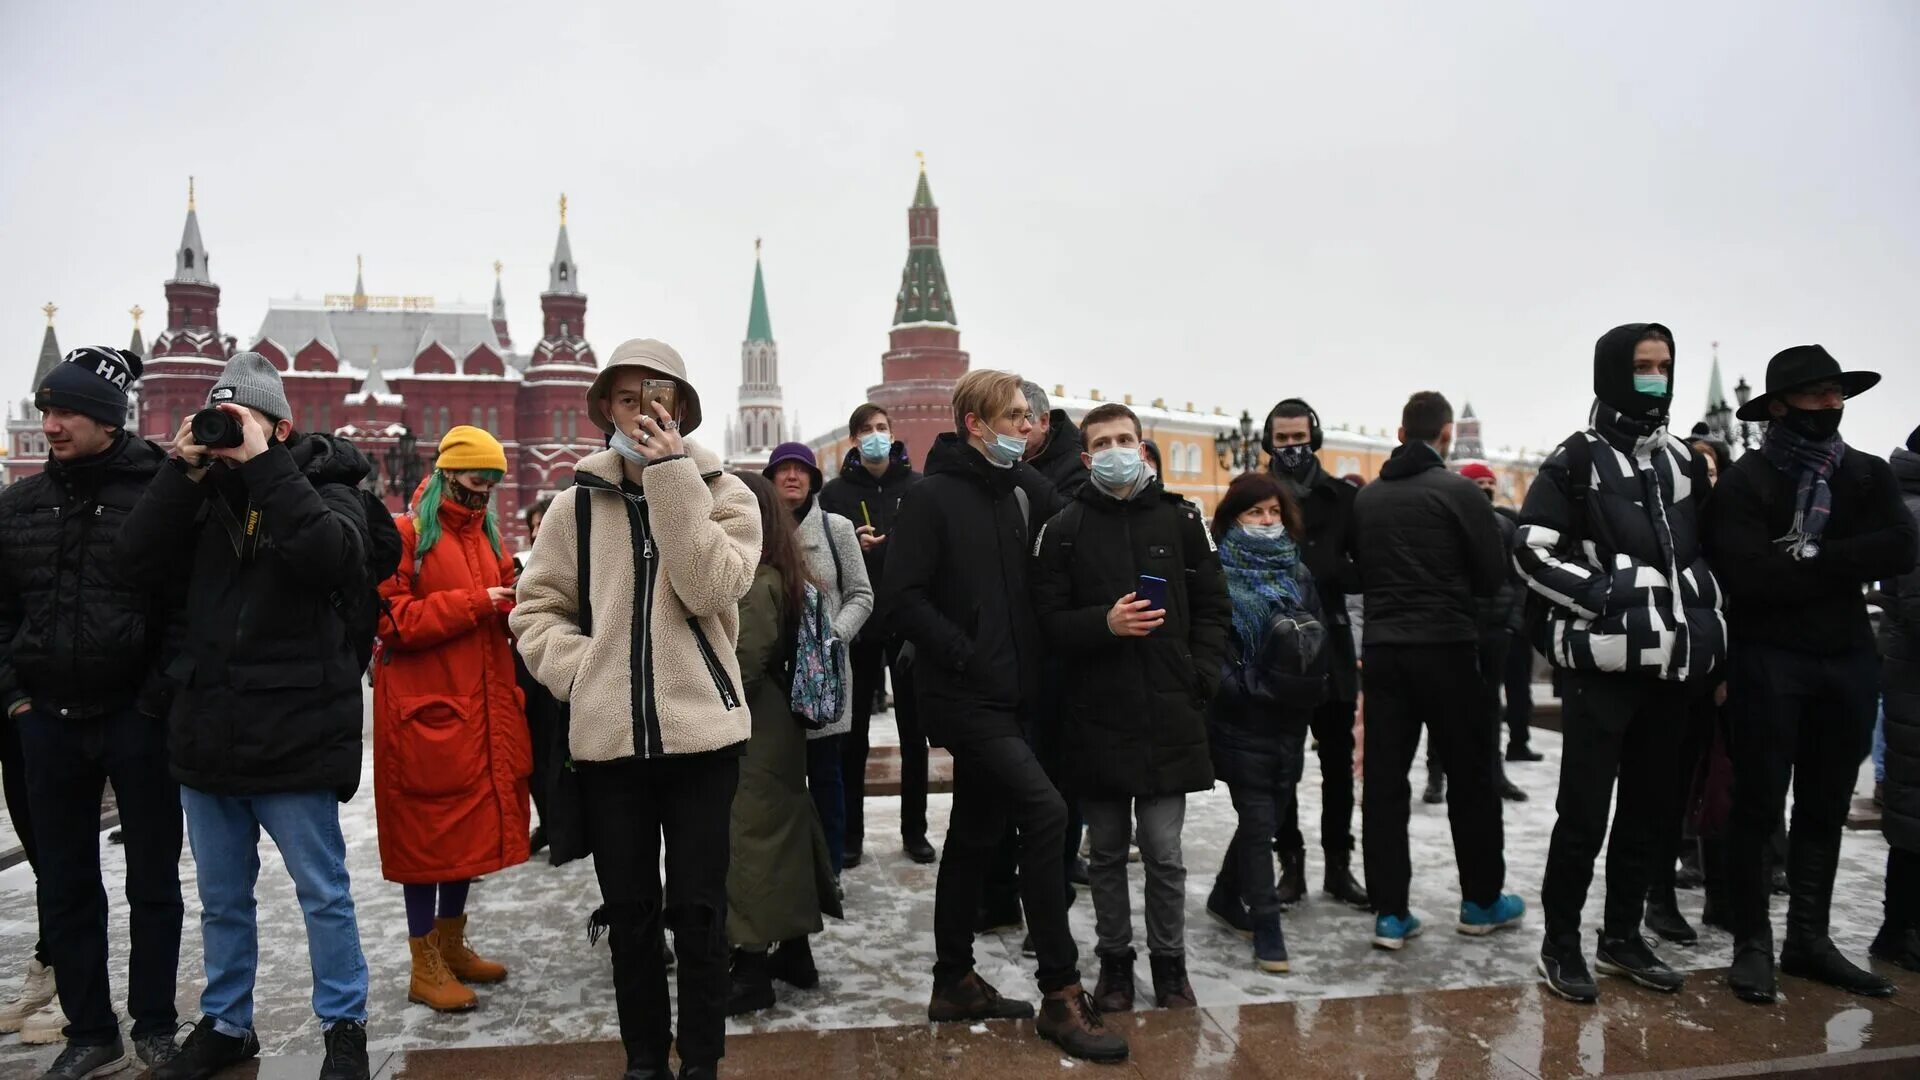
<point>1154,590</point>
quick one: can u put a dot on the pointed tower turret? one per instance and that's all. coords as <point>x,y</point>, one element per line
<point>761,424</point>
<point>1467,445</point>
<point>26,449</point>
<point>137,346</point>
<point>359,284</point>
<point>924,358</point>
<point>50,353</point>
<point>553,428</point>
<point>500,311</point>
<point>177,375</point>
<point>563,306</point>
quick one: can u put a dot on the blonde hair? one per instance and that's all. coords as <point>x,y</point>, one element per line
<point>985,393</point>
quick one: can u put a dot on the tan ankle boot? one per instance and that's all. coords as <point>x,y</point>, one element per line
<point>466,965</point>
<point>433,985</point>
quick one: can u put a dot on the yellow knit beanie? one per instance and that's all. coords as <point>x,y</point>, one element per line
<point>470,448</point>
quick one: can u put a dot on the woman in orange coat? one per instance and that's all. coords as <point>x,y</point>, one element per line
<point>451,756</point>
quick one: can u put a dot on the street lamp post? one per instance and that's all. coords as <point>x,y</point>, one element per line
<point>1238,451</point>
<point>403,465</point>
<point>1749,432</point>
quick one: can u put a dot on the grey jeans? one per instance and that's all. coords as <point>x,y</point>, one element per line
<point>1160,821</point>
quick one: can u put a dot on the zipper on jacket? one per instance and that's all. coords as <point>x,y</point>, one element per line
<point>718,673</point>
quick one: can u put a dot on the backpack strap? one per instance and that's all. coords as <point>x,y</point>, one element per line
<point>583,556</point>
<point>839,575</point>
<point>1579,478</point>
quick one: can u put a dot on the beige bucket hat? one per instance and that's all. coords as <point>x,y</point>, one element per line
<point>657,356</point>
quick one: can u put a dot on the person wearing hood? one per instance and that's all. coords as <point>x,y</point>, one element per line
<point>1610,543</point>
<point>1426,546</point>
<point>83,654</point>
<point>828,543</point>
<point>1138,671</point>
<point>1795,531</point>
<point>1292,439</point>
<point>956,590</point>
<point>452,754</point>
<point>629,611</point>
<point>1899,939</point>
<point>264,538</point>
<point>872,480</point>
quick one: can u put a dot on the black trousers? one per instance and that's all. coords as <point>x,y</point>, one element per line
<point>1247,871</point>
<point>1809,718</point>
<point>1408,685</point>
<point>998,781</point>
<point>1624,726</point>
<point>13,779</point>
<point>869,660</point>
<point>540,731</point>
<point>632,805</point>
<point>1903,891</point>
<point>1332,727</point>
<point>1519,680</point>
<point>1696,741</point>
<point>69,762</point>
<point>1491,657</point>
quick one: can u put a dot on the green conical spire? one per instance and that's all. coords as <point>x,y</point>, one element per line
<point>923,295</point>
<point>759,325</point>
<point>1716,396</point>
<point>922,195</point>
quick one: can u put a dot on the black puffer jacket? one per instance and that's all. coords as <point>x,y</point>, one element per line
<point>1499,614</point>
<point>956,590</point>
<point>1900,680</point>
<point>1059,461</point>
<point>1426,545</point>
<point>78,636</point>
<point>270,697</point>
<point>1135,707</point>
<point>1327,511</point>
<point>863,498</point>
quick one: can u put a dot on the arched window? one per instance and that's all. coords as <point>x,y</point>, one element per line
<point>563,271</point>
<point>556,423</point>
<point>479,414</point>
<point>445,419</point>
<point>493,420</point>
<point>188,252</point>
<point>573,425</point>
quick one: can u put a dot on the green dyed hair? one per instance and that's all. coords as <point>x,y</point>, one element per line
<point>426,512</point>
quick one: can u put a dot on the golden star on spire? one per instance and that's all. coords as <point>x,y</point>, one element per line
<point>563,209</point>
<point>921,157</point>
<point>756,247</point>
<point>48,309</point>
<point>496,268</point>
<point>190,194</point>
<point>136,311</point>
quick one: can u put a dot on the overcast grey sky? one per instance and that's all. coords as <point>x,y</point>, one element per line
<point>1218,203</point>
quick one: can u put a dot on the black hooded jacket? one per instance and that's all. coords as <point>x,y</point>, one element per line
<point>270,691</point>
<point>1900,678</point>
<point>1135,708</point>
<point>956,591</point>
<point>863,498</point>
<point>1327,549</point>
<point>1059,460</point>
<point>79,637</point>
<point>1426,545</point>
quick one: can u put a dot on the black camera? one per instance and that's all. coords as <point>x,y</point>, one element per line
<point>217,429</point>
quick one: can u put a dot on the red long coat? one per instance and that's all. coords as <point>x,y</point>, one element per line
<point>451,752</point>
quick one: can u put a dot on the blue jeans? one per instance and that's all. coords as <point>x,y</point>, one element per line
<point>224,831</point>
<point>829,794</point>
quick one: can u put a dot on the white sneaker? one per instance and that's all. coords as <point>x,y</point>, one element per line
<point>36,990</point>
<point>46,1027</point>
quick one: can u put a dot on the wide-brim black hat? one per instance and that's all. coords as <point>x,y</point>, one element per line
<point>1800,366</point>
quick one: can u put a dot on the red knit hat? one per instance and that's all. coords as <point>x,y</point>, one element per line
<point>1474,470</point>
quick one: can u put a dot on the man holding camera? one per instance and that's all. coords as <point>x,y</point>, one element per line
<point>268,534</point>
<point>80,674</point>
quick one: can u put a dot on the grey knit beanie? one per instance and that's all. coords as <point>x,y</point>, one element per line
<point>251,380</point>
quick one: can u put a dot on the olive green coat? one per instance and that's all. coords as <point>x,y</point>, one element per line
<point>780,878</point>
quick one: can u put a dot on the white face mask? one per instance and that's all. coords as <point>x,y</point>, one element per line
<point>1265,532</point>
<point>1005,451</point>
<point>627,448</point>
<point>1117,468</point>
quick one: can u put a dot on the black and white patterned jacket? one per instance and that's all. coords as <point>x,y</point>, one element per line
<point>1610,538</point>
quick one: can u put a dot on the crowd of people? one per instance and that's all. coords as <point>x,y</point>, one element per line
<point>688,663</point>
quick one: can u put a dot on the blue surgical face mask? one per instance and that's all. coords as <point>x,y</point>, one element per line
<point>1654,385</point>
<point>1117,467</point>
<point>627,448</point>
<point>1265,532</point>
<point>875,445</point>
<point>1005,451</point>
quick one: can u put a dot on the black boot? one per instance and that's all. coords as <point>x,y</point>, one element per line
<point>1436,792</point>
<point>1665,920</point>
<point>1895,946</point>
<point>1820,961</point>
<point>792,963</point>
<point>1718,912</point>
<point>752,983</point>
<point>1114,992</point>
<point>1751,976</point>
<point>1341,884</point>
<point>1293,877</point>
<point>1171,987</point>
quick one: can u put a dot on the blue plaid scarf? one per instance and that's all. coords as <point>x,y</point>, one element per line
<point>1810,462</point>
<point>1260,577</point>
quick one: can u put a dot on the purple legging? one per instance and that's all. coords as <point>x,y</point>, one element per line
<point>420,911</point>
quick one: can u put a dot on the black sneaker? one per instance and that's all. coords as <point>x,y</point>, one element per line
<point>1027,948</point>
<point>1565,972</point>
<point>919,850</point>
<point>78,1062</point>
<point>1511,791</point>
<point>1436,792</point>
<point>206,1052</point>
<point>1666,921</point>
<point>1821,962</point>
<point>346,1051</point>
<point>155,1050</point>
<point>1631,958</point>
<point>1522,752</point>
<point>851,859</point>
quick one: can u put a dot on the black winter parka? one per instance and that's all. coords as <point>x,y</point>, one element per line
<point>1426,546</point>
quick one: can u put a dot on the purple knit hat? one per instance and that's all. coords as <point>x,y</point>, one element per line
<point>794,451</point>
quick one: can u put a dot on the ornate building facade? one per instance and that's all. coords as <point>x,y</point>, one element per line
<point>761,422</point>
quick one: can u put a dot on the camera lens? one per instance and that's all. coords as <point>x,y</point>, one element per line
<point>216,429</point>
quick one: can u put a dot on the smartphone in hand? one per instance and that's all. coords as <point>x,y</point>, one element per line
<point>1154,590</point>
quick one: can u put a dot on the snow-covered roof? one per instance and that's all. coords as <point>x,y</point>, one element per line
<point>395,336</point>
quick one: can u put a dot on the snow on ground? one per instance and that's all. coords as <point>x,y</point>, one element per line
<point>876,964</point>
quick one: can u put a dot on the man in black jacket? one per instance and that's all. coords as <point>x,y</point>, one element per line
<point>956,590</point>
<point>1138,678</point>
<point>1054,451</point>
<point>1610,540</point>
<point>1795,531</point>
<point>270,540</point>
<point>872,480</point>
<point>1426,546</point>
<point>1292,440</point>
<point>81,656</point>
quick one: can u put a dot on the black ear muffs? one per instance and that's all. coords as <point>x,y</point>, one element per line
<point>1315,436</point>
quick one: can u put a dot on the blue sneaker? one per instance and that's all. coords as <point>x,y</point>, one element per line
<point>1508,911</point>
<point>1392,931</point>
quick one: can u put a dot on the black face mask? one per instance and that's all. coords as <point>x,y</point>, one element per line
<point>1816,424</point>
<point>1488,492</point>
<point>467,497</point>
<point>1296,459</point>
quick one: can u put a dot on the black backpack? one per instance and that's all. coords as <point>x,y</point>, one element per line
<point>362,606</point>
